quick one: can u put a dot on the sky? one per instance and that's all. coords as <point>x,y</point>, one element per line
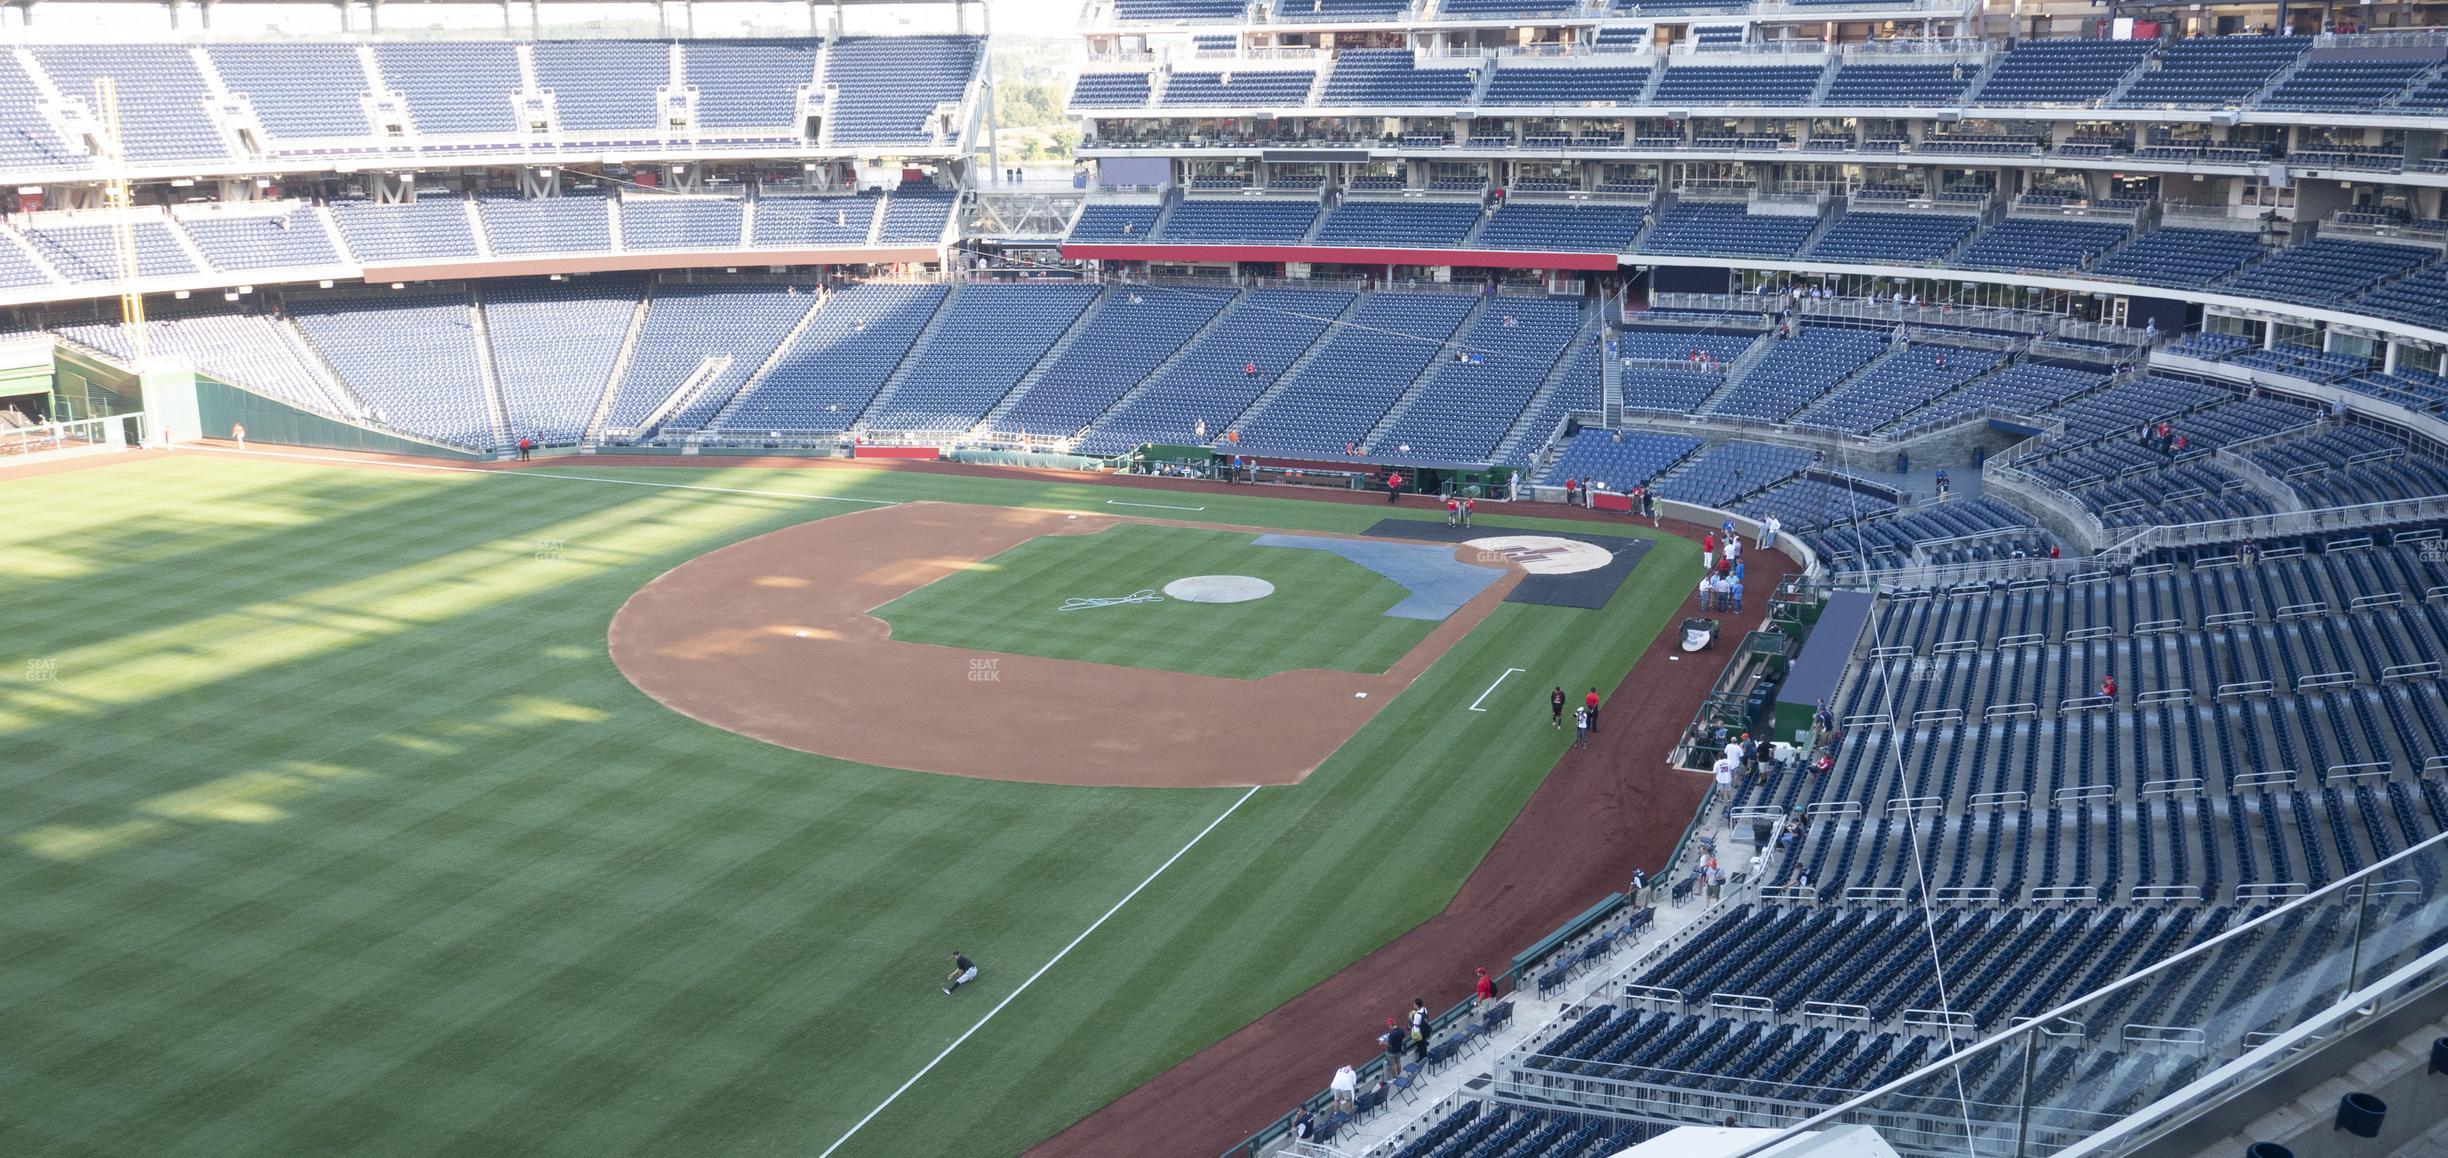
<point>66,19</point>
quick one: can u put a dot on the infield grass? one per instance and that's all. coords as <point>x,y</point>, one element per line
<point>327,826</point>
<point>1327,612</point>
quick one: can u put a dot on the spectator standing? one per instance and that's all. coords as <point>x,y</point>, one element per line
<point>1484,989</point>
<point>1346,1087</point>
<point>1393,485</point>
<point>1708,550</point>
<point>1590,701</point>
<point>1393,1041</point>
<point>1421,1027</point>
<point>1580,727</point>
<point>1768,530</point>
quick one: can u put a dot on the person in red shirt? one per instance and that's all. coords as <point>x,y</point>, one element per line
<point>2108,686</point>
<point>1486,988</point>
<point>1393,485</point>
<point>1591,701</point>
<point>1453,511</point>
<point>1708,551</point>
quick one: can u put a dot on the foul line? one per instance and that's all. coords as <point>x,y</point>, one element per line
<point>1157,506</point>
<point>1041,971</point>
<point>1508,674</point>
<point>547,473</point>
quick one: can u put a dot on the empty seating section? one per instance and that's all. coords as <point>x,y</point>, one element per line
<point>828,376</point>
<point>2025,388</point>
<point>439,393</point>
<point>1467,407</point>
<point>1708,227</point>
<point>649,221</point>
<point>2420,297</point>
<point>1383,76</point>
<point>2324,271</point>
<point>1554,227</point>
<point>1244,221</point>
<point>886,87</point>
<point>749,84</point>
<point>1622,459</point>
<point>453,86</point>
<point>249,350</point>
<point>574,224</point>
<point>1577,86</point>
<point>1179,11</point>
<point>812,222</point>
<point>1578,386</point>
<point>987,339</point>
<point>1399,224</point>
<point>1239,89</point>
<point>1473,8</point>
<point>2213,70</point>
<point>915,215</point>
<point>17,266</point>
<point>27,141</point>
<point>1797,370</point>
<point>2042,244</point>
<point>1892,238</point>
<point>1957,531</point>
<point>1106,222</point>
<point>239,240</point>
<point>1718,84</point>
<point>89,253</point>
<point>1658,369</point>
<point>2343,83</point>
<point>688,326</point>
<point>2181,257</point>
<point>603,86</point>
<point>1901,85</point>
<point>161,96</point>
<point>1807,504</point>
<point>1219,376</point>
<point>2057,72</point>
<point>553,346</point>
<point>1335,399</point>
<point>1898,384</point>
<point>1723,474</point>
<point>300,90</point>
<point>2351,465</point>
<point>429,227</point>
<point>1110,90</point>
<point>1126,338</point>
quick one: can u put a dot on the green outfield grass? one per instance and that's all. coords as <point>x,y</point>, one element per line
<point>1326,612</point>
<point>326,825</point>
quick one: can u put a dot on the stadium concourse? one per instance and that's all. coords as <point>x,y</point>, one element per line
<point>2083,364</point>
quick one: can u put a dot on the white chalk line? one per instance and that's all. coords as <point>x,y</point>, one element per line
<point>1152,506</point>
<point>1041,971</point>
<point>548,473</point>
<point>1491,688</point>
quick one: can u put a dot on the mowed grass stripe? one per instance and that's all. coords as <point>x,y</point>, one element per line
<point>351,838</point>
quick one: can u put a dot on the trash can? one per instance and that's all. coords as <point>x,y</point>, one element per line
<point>2360,1114</point>
<point>2439,1055</point>
<point>2267,1150</point>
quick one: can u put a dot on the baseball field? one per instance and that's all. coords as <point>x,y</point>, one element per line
<point>331,821</point>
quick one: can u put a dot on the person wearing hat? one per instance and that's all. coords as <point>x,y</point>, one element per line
<point>1393,1039</point>
<point>1485,989</point>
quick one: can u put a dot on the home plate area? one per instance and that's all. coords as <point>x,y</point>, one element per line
<point>1565,570</point>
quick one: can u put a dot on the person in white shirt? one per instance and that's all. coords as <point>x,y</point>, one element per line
<point>1768,531</point>
<point>1724,769</point>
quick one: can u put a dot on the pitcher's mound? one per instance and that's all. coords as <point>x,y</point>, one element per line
<point>1219,589</point>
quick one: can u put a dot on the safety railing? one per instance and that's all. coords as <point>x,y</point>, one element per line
<point>2364,948</point>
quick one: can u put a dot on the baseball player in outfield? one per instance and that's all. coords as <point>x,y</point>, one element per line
<point>963,972</point>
